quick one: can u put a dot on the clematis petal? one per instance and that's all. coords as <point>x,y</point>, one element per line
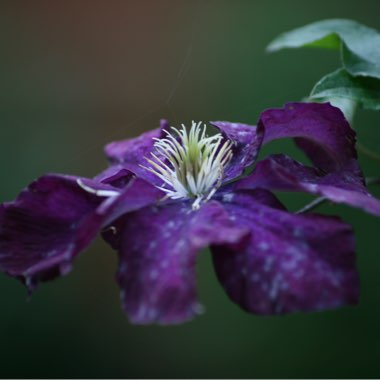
<point>45,227</point>
<point>280,172</point>
<point>55,218</point>
<point>131,153</point>
<point>136,195</point>
<point>291,262</point>
<point>247,141</point>
<point>158,248</point>
<point>116,176</point>
<point>320,130</point>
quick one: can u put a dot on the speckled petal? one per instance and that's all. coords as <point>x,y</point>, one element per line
<point>280,172</point>
<point>320,130</point>
<point>130,153</point>
<point>291,263</point>
<point>247,140</point>
<point>158,248</point>
<point>45,227</point>
<point>136,195</point>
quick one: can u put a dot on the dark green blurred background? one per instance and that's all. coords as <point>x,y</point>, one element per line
<point>78,74</point>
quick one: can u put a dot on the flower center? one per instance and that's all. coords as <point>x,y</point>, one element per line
<point>190,163</point>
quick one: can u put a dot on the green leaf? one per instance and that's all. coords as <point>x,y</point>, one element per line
<point>358,66</point>
<point>360,45</point>
<point>340,84</point>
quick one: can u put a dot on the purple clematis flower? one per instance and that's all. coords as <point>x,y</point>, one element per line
<point>170,193</point>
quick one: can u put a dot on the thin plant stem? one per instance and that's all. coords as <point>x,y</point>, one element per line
<point>312,205</point>
<point>372,181</point>
<point>368,152</point>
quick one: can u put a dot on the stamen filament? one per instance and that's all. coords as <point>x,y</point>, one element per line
<point>191,164</point>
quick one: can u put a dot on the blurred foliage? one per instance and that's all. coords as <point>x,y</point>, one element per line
<point>339,84</point>
<point>358,43</point>
<point>359,78</point>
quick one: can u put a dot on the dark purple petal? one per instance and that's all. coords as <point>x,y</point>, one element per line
<point>280,172</point>
<point>137,194</point>
<point>131,153</point>
<point>116,176</point>
<point>247,140</point>
<point>321,131</point>
<point>55,218</point>
<point>158,247</point>
<point>291,262</point>
<point>45,227</point>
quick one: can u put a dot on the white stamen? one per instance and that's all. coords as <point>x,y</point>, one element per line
<point>99,193</point>
<point>191,164</point>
